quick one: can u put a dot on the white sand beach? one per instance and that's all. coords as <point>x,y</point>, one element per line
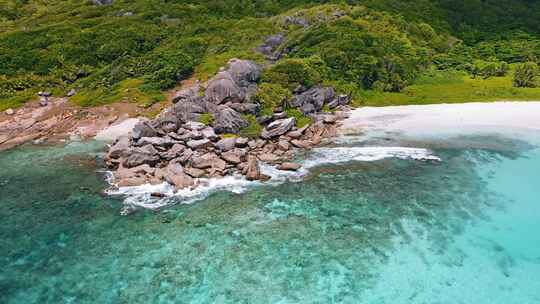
<point>447,119</point>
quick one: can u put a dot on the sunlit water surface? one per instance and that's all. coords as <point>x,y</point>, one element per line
<point>462,230</point>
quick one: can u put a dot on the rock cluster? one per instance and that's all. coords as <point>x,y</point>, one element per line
<point>178,148</point>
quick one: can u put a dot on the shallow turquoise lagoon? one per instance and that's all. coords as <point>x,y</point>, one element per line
<point>395,230</point>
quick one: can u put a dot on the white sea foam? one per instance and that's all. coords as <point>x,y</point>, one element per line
<point>140,196</point>
<point>366,154</point>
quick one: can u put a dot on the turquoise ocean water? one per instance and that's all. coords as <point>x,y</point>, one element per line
<point>465,229</point>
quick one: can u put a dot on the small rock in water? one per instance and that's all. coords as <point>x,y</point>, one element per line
<point>39,141</point>
<point>289,166</point>
<point>157,194</point>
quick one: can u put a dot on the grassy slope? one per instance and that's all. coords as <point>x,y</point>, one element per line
<point>466,89</point>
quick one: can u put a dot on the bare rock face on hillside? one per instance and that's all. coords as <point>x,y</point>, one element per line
<point>177,148</point>
<point>102,2</point>
<point>271,47</point>
<point>313,100</point>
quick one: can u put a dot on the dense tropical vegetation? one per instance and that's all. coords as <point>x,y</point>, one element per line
<point>380,51</point>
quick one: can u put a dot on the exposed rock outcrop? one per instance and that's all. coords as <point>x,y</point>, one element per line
<point>278,127</point>
<point>178,149</point>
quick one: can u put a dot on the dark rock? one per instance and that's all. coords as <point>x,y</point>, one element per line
<point>270,47</point>
<point>289,166</point>
<point>287,20</point>
<point>189,111</point>
<point>194,172</point>
<point>299,89</point>
<point>278,127</point>
<point>226,144</point>
<point>190,94</point>
<point>340,100</point>
<point>209,133</point>
<point>284,145</point>
<point>308,108</point>
<point>241,142</point>
<point>222,88</point>
<point>199,144</point>
<point>174,136</point>
<point>157,194</point>
<point>44,94</point>
<point>155,141</point>
<point>301,144</point>
<point>143,129</point>
<point>227,120</point>
<point>185,156</point>
<point>253,171</point>
<point>246,108</point>
<point>313,99</point>
<point>265,119</point>
<point>120,148</point>
<point>166,121</point>
<point>143,169</point>
<point>175,175</point>
<point>231,157</point>
<point>297,133</point>
<point>43,101</point>
<point>102,2</point>
<point>280,115</point>
<point>208,160</point>
<point>244,72</point>
<point>173,152</point>
<point>196,134</point>
<point>143,155</point>
<point>132,181</point>
<point>193,126</point>
<point>268,157</point>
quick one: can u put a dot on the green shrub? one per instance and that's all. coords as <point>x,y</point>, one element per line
<point>526,75</point>
<point>270,96</point>
<point>301,119</point>
<point>254,129</point>
<point>289,73</point>
<point>488,69</point>
<point>206,118</point>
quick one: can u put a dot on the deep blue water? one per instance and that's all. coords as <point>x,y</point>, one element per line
<point>463,230</point>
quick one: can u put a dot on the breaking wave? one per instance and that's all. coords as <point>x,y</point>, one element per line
<point>141,196</point>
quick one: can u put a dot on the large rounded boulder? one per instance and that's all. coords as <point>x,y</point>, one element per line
<point>244,72</point>
<point>222,88</point>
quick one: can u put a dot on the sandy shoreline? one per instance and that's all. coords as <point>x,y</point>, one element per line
<point>446,119</point>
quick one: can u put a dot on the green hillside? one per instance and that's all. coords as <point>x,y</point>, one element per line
<point>380,51</point>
